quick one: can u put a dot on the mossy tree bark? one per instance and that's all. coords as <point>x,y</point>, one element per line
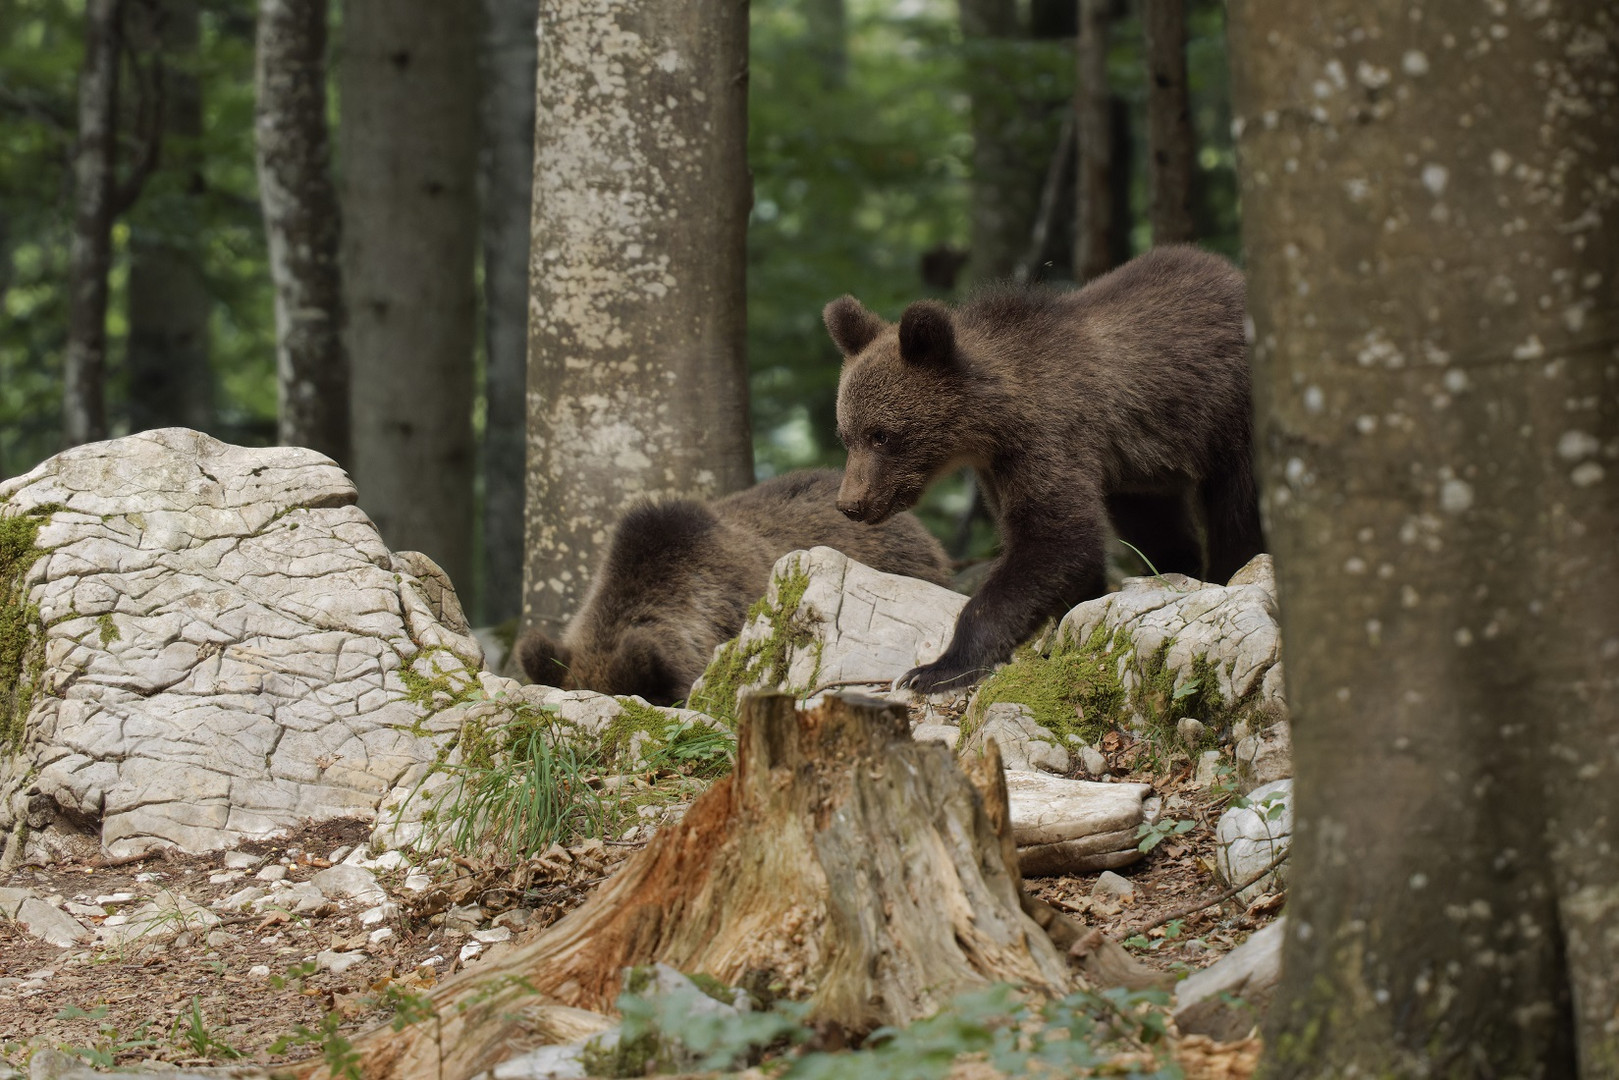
<point>841,862</point>
<point>302,226</point>
<point>1171,144</point>
<point>1431,216</point>
<point>408,145</point>
<point>84,358</point>
<point>170,380</point>
<point>637,378</point>
<point>509,55</point>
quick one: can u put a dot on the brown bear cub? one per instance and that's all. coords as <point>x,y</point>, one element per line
<point>1126,401</point>
<point>679,577</point>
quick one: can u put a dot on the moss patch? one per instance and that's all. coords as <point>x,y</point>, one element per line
<point>109,630</point>
<point>1082,689</point>
<point>448,685</point>
<point>764,661</point>
<point>1075,691</point>
<point>22,653</point>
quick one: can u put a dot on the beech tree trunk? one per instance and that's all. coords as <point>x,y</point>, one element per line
<point>826,29</point>
<point>1432,225</point>
<point>1171,144</point>
<point>509,55</point>
<point>637,369</point>
<point>84,359</point>
<point>302,225</point>
<point>170,380</point>
<point>408,142</point>
<point>841,863</point>
<point>1093,118</point>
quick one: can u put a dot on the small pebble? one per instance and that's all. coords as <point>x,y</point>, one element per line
<point>273,872</point>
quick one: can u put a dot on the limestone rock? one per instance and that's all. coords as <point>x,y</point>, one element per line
<point>850,622</point>
<point>1075,826</point>
<point>49,923</point>
<point>349,881</point>
<point>222,648</point>
<point>1249,837</point>
<point>948,734</point>
<point>225,645</point>
<point>1111,886</point>
<point>1024,744</point>
<point>1264,757</point>
<point>1226,999</point>
<point>1232,628</point>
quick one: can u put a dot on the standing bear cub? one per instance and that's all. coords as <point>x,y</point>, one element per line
<point>679,577</point>
<point>1126,401</point>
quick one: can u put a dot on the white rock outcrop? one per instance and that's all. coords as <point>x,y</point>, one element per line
<point>1076,826</point>
<point>1249,838</point>
<point>1024,744</point>
<point>850,622</point>
<point>213,644</point>
<point>1227,999</point>
<point>1232,628</point>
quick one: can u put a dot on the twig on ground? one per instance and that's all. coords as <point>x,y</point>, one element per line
<point>846,682</point>
<point>1222,898</point>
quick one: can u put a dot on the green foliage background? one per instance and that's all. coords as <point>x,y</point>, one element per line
<point>854,180</point>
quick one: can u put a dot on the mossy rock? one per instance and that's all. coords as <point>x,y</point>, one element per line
<point>22,653</point>
<point>759,662</point>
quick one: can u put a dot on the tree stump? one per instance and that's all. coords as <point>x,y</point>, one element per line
<point>841,863</point>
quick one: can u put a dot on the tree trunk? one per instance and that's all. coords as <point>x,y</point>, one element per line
<point>84,362</point>
<point>800,872</point>
<point>1093,117</point>
<point>1171,144</point>
<point>637,371</point>
<point>170,381</point>
<point>408,142</point>
<point>826,29</point>
<point>303,226</point>
<point>509,59</point>
<point>1005,184</point>
<point>1432,229</point>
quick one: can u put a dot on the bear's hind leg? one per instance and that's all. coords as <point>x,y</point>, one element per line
<point>1160,526</point>
<point>1231,515</point>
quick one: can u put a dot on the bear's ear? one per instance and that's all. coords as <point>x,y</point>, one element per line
<point>852,327</point>
<point>926,334</point>
<point>543,660</point>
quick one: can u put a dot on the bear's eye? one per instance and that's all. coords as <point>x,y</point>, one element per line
<point>879,438</point>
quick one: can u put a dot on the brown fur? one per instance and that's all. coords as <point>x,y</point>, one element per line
<point>679,576</point>
<point>1127,400</point>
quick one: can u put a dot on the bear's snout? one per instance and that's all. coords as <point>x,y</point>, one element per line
<point>853,510</point>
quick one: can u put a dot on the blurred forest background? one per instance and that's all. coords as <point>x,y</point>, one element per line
<point>899,149</point>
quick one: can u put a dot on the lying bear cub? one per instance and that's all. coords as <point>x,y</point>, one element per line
<point>679,577</point>
<point>1125,402</point>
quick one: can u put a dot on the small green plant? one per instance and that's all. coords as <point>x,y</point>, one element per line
<point>1172,930</point>
<point>681,1031</point>
<point>523,787</point>
<point>1081,1031</point>
<point>191,1030</point>
<point>1142,555</point>
<point>1150,834</point>
<point>342,1060</point>
<point>295,976</point>
<point>109,1042</point>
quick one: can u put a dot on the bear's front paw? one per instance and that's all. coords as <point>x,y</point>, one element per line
<point>938,676</point>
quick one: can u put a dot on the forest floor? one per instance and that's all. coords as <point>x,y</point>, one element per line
<point>263,987</point>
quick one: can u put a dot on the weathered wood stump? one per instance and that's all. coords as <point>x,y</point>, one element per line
<point>841,863</point>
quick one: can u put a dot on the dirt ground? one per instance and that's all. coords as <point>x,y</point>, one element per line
<point>197,998</point>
